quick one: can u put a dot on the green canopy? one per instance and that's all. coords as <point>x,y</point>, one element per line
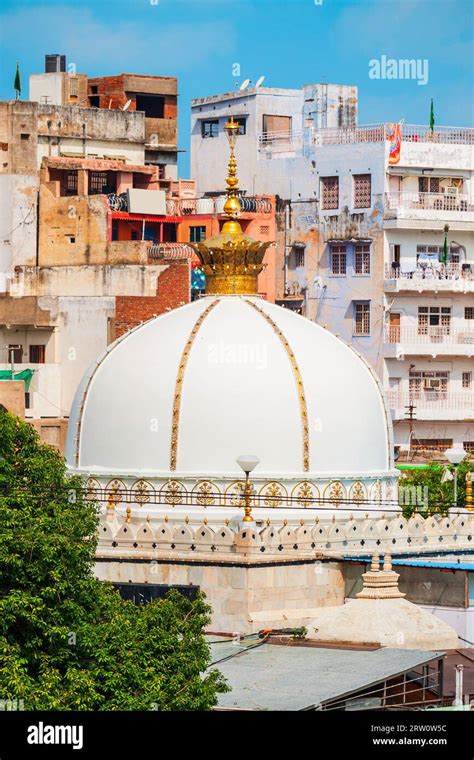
<point>25,375</point>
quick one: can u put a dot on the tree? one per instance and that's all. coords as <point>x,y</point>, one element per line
<point>67,640</point>
<point>440,494</point>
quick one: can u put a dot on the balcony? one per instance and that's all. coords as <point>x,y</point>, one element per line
<point>456,278</point>
<point>430,341</point>
<point>432,405</point>
<point>420,207</point>
<point>278,143</point>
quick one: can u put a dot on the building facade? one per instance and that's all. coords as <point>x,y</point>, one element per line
<point>380,253</point>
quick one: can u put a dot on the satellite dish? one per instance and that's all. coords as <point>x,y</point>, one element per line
<point>259,82</point>
<point>127,105</point>
<point>245,84</point>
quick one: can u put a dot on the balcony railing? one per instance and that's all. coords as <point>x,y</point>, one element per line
<point>170,251</point>
<point>395,202</point>
<point>431,400</point>
<point>432,335</point>
<point>431,275</point>
<point>372,133</point>
<point>187,206</point>
<point>281,142</point>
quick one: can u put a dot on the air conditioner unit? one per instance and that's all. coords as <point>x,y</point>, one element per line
<point>452,191</point>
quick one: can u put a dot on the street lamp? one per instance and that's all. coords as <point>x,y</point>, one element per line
<point>455,456</point>
<point>247,462</point>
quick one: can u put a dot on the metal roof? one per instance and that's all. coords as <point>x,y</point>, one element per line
<point>446,561</point>
<point>278,677</point>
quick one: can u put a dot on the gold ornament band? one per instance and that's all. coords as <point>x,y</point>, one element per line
<point>298,379</point>
<point>179,383</point>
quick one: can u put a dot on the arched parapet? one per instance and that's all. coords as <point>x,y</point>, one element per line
<point>398,534</point>
<point>320,535</point>
<point>125,538</point>
<point>416,529</point>
<point>269,537</point>
<point>106,534</point>
<point>287,536</point>
<point>145,535</point>
<point>224,538</point>
<point>164,536</point>
<point>354,531</point>
<point>303,536</point>
<point>183,537</point>
<point>204,539</point>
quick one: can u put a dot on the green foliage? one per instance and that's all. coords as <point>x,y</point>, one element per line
<point>440,495</point>
<point>67,640</point>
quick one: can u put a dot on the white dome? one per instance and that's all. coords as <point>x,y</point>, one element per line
<point>255,379</point>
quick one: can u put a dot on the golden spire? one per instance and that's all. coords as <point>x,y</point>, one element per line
<point>231,260</point>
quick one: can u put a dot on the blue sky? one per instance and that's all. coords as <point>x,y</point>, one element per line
<point>291,42</point>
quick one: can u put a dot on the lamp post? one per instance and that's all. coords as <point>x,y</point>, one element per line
<point>455,456</point>
<point>247,463</point>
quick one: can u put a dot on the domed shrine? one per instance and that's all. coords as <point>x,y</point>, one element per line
<point>164,413</point>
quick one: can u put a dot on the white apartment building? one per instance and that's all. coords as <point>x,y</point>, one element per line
<point>362,242</point>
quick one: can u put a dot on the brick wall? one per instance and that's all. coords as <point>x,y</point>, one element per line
<point>172,291</point>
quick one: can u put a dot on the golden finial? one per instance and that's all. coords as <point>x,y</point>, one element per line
<point>148,518</point>
<point>205,521</point>
<point>268,521</point>
<point>231,261</point>
<point>129,515</point>
<point>469,490</point>
<point>285,522</point>
<point>186,519</point>
<point>301,521</point>
<point>166,518</point>
<point>227,521</point>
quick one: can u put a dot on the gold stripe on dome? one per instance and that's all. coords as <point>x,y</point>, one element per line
<point>179,383</point>
<point>298,379</point>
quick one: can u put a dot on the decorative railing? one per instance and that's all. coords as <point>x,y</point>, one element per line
<point>395,202</point>
<point>187,206</point>
<point>431,273</point>
<point>286,141</point>
<point>431,400</point>
<point>378,132</point>
<point>428,335</point>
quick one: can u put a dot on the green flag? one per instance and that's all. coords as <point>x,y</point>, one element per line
<point>17,82</point>
<point>432,118</point>
<point>444,255</point>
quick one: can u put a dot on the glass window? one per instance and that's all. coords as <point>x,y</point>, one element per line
<point>209,128</point>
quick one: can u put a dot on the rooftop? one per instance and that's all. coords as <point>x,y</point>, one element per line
<point>275,677</point>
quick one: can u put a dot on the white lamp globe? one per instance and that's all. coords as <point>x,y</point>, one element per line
<point>247,462</point>
<point>455,455</point>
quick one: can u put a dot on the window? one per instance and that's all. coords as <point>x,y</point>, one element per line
<point>338,259</point>
<point>329,192</point>
<point>264,229</point>
<point>115,229</point>
<point>467,379</point>
<point>27,400</point>
<point>71,182</point>
<point>434,320</point>
<point>73,87</point>
<point>98,183</point>
<point>197,234</point>
<point>37,354</point>
<point>299,257</point>
<point>362,318</point>
<point>272,124</point>
<point>434,252</point>
<point>161,171</point>
<point>469,312</point>
<point>362,190</point>
<point>15,352</point>
<point>433,444</point>
<point>362,258</point>
<point>24,136</point>
<point>71,239</point>
<point>210,128</point>
<point>153,105</point>
<point>469,446</point>
<point>433,385</point>
<point>428,184</point>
